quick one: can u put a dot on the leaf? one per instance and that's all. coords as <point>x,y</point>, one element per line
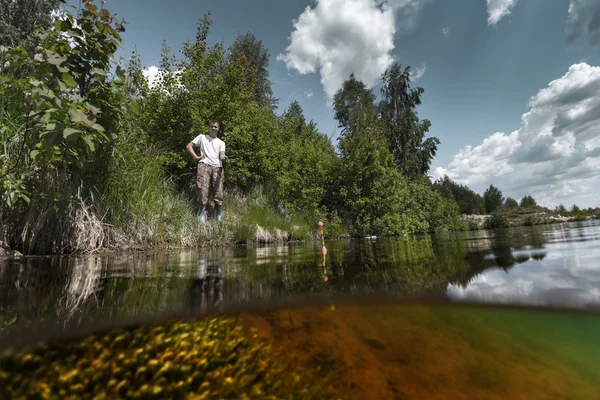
<point>56,60</point>
<point>61,25</point>
<point>35,82</point>
<point>34,154</point>
<point>135,108</point>
<point>62,86</point>
<point>90,143</point>
<point>98,127</point>
<point>78,116</point>
<point>68,79</point>
<point>50,127</point>
<point>99,71</point>
<point>69,131</point>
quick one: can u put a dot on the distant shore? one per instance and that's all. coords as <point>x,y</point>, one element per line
<point>521,218</point>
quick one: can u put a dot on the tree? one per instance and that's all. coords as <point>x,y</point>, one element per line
<point>256,74</point>
<point>372,193</point>
<point>493,199</point>
<point>59,113</point>
<point>528,202</point>
<point>510,203</point>
<point>562,210</point>
<point>468,201</point>
<point>353,95</point>
<point>19,19</point>
<point>301,172</point>
<point>404,132</point>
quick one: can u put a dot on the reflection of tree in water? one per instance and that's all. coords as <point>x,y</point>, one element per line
<point>81,288</point>
<point>39,289</point>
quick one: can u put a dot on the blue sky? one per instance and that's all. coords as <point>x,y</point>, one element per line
<point>486,67</point>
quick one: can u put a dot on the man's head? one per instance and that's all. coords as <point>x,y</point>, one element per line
<point>213,127</point>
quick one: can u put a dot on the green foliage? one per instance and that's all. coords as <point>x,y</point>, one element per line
<point>577,213</point>
<point>473,225</point>
<point>496,220</point>
<point>468,201</point>
<point>528,202</point>
<point>561,210</point>
<point>440,213</point>
<point>372,192</point>
<point>353,95</point>
<point>305,166</point>
<point>57,105</point>
<point>533,220</point>
<point>493,199</point>
<point>376,154</point>
<point>404,132</point>
<point>20,19</point>
<point>137,197</point>
<point>511,204</point>
<point>256,73</point>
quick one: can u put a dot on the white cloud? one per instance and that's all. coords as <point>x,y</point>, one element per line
<point>583,22</point>
<point>555,154</point>
<point>419,72</point>
<point>498,9</point>
<point>340,37</point>
<point>446,31</point>
<point>151,74</point>
<point>308,93</point>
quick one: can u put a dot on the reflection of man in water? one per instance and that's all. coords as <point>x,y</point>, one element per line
<point>207,287</point>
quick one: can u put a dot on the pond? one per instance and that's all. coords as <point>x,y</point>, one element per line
<point>388,299</point>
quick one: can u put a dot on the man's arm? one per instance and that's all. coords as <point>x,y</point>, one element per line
<point>222,155</point>
<point>190,149</point>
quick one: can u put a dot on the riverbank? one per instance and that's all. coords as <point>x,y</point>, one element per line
<point>248,220</point>
<point>519,218</point>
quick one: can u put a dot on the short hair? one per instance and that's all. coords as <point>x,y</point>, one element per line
<point>212,121</point>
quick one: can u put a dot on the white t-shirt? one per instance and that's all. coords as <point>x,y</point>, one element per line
<point>209,147</point>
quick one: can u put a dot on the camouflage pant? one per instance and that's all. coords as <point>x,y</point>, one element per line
<point>209,177</point>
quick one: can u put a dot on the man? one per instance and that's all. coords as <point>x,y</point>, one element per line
<point>209,174</point>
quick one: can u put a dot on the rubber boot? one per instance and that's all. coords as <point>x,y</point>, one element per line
<point>202,214</point>
<point>219,212</point>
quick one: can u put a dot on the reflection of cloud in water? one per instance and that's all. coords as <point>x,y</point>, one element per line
<point>568,276</point>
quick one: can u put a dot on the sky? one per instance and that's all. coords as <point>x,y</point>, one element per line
<point>511,87</point>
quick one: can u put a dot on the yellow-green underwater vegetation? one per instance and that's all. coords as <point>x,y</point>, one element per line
<point>337,351</point>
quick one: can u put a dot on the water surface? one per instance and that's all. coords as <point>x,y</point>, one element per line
<point>551,265</point>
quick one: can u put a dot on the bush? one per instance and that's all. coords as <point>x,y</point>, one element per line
<point>496,220</point>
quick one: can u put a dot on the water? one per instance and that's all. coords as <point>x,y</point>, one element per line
<point>416,343</point>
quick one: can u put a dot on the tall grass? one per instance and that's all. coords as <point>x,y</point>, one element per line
<point>141,204</point>
<point>253,218</point>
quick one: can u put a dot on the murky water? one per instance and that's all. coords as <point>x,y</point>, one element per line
<point>416,346</point>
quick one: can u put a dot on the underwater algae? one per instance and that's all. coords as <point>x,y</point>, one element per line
<point>187,359</point>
